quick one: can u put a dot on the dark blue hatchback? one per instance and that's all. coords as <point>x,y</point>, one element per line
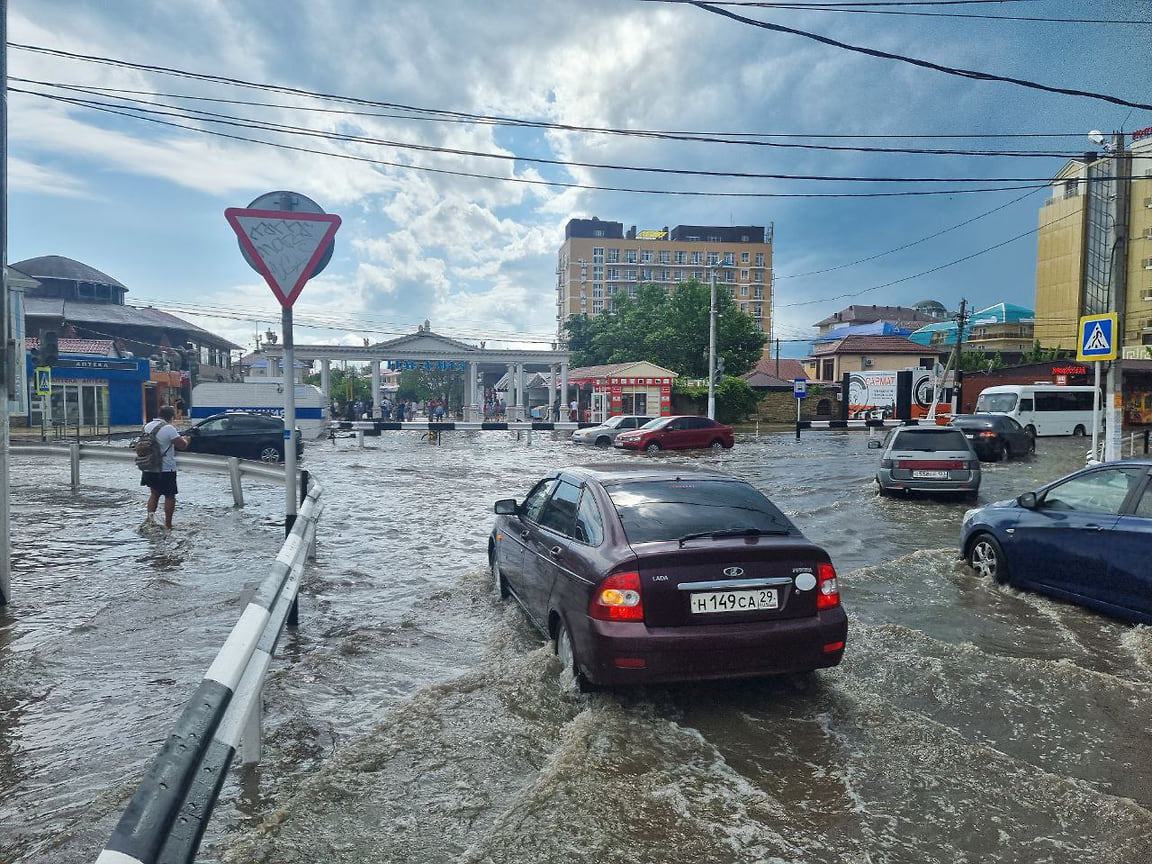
<point>1086,538</point>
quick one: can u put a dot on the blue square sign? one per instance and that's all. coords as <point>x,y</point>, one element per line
<point>1097,338</point>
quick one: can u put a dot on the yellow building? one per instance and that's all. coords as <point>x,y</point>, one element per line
<point>1076,248</point>
<point>829,362</point>
<point>600,261</point>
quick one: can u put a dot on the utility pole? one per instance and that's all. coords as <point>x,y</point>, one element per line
<point>777,358</point>
<point>712,348</point>
<point>8,353</point>
<point>1117,294</point>
<point>961,321</point>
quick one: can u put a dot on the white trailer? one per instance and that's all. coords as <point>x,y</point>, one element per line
<point>263,398</point>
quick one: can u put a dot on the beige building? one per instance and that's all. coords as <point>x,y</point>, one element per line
<point>1076,242</point>
<point>830,361</point>
<point>600,261</point>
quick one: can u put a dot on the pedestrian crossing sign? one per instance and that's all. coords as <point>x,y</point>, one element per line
<point>43,380</point>
<point>1097,337</point>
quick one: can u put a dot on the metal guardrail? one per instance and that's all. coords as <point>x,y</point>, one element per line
<point>1143,436</point>
<point>169,813</point>
<point>230,465</point>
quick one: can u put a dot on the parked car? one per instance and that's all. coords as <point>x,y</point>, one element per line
<point>604,434</point>
<point>994,436</point>
<point>1085,538</point>
<point>244,434</point>
<point>933,459</point>
<point>653,575</point>
<point>677,432</point>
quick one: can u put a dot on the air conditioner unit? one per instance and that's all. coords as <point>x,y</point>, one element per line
<point>866,362</point>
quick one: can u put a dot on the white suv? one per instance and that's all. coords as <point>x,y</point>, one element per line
<point>604,434</point>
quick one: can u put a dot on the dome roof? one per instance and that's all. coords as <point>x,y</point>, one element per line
<point>931,306</point>
<point>59,267</point>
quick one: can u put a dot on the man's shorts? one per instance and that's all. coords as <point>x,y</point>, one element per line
<point>163,482</point>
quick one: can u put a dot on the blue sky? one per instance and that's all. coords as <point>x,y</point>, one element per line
<point>477,257</point>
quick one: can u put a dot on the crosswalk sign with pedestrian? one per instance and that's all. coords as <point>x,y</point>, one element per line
<point>1097,337</point>
<point>43,380</point>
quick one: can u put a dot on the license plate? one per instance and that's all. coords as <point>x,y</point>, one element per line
<point>734,601</point>
<point>930,475</point>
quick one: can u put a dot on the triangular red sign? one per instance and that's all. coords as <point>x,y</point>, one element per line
<point>284,245</point>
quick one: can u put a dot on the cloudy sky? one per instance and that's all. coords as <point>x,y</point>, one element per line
<point>443,135</point>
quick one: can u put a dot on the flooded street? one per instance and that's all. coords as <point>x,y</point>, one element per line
<point>414,718</point>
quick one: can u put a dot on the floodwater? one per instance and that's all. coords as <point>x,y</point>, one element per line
<point>412,718</point>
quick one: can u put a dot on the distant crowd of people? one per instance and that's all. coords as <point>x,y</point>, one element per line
<point>398,411</point>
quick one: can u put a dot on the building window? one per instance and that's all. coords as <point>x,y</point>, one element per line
<point>598,232</point>
<point>758,276</point>
<point>695,257</point>
<point>743,257</point>
<point>630,274</point>
<point>828,373</point>
<point>597,306</point>
<point>743,290</point>
<point>713,258</point>
<point>758,294</point>
<point>597,291</point>
<point>730,259</point>
<point>629,256</point>
<point>613,256</point>
<point>681,257</point>
<point>645,256</point>
<point>597,254</point>
<point>665,274</point>
<point>743,275</point>
<point>759,259</point>
<point>645,274</point>
<point>665,256</point>
<point>631,290</point>
<point>613,272</point>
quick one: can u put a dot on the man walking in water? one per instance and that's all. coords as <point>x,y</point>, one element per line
<point>163,482</point>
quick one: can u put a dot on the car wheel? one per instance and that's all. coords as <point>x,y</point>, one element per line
<point>1031,430</point>
<point>603,441</point>
<point>717,444</point>
<point>1004,452</point>
<point>568,668</point>
<point>884,493</point>
<point>271,454</point>
<point>498,583</point>
<point>1032,444</point>
<point>1079,431</point>
<point>652,447</point>
<point>986,557</point>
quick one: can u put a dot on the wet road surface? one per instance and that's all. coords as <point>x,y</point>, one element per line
<point>413,718</point>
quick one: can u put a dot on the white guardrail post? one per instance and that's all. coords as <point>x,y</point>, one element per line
<point>167,816</point>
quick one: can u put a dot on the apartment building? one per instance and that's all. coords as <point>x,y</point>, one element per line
<point>600,261</point>
<point>1077,247</point>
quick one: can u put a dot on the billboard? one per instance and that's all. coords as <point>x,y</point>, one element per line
<point>906,395</point>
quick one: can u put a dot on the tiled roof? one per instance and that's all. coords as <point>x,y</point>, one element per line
<point>786,371</point>
<point>99,347</point>
<point>871,345</point>
<point>874,313</point>
<point>93,315</point>
<point>615,369</point>
<point>59,267</point>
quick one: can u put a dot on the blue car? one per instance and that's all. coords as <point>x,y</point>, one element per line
<point>1086,538</point>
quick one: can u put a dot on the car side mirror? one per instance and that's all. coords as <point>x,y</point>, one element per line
<point>1028,501</point>
<point>874,444</point>
<point>506,507</point>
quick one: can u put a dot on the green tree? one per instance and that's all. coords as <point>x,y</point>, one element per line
<point>347,385</point>
<point>735,399</point>
<point>1037,354</point>
<point>980,361</point>
<point>669,329</point>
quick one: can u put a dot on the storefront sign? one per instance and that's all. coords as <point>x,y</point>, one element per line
<point>100,363</point>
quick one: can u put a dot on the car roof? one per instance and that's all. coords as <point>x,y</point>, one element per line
<point>981,419</point>
<point>619,472</point>
<point>932,430</point>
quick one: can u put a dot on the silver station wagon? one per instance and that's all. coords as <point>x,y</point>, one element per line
<point>928,459</point>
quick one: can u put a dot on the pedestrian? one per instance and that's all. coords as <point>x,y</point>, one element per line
<point>181,407</point>
<point>163,482</point>
<point>399,410</point>
<point>572,407</point>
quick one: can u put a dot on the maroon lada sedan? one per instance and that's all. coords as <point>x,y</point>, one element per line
<point>678,432</point>
<point>645,575</point>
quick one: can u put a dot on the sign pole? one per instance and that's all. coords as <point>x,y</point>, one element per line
<point>1096,413</point>
<point>289,379</point>
<point>7,373</point>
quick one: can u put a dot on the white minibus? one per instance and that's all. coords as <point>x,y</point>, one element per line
<point>1043,409</point>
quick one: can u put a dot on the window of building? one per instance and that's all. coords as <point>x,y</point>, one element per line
<point>597,306</point>
<point>598,232</point>
<point>757,275</point>
<point>631,290</point>
<point>743,275</point>
<point>597,291</point>
<point>597,254</point>
<point>744,257</point>
<point>629,256</point>
<point>730,259</point>
<point>630,274</point>
<point>758,294</point>
<point>613,272</point>
<point>759,259</point>
<point>613,256</point>
<point>743,290</point>
<point>645,274</point>
<point>695,257</point>
<point>681,257</point>
<point>646,256</point>
<point>665,275</point>
<point>713,258</point>
<point>828,372</point>
<point>716,239</point>
<point>665,256</point>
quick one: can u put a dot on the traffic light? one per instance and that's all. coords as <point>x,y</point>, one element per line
<point>49,348</point>
<point>718,376</point>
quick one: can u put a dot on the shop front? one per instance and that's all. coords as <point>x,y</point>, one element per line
<point>624,388</point>
<point>90,394</point>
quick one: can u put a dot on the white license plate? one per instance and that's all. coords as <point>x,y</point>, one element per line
<point>735,601</point>
<point>930,475</point>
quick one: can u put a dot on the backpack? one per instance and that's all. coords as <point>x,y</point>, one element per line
<point>149,453</point>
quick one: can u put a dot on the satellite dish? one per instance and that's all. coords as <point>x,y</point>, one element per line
<point>1096,136</point>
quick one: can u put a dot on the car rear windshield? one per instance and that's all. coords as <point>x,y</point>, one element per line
<point>996,402</point>
<point>671,509</point>
<point>930,440</point>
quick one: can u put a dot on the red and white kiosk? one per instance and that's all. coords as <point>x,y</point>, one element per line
<point>622,388</point>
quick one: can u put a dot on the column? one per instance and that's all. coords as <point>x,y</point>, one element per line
<point>326,386</point>
<point>564,400</point>
<point>511,392</point>
<point>473,393</point>
<point>522,399</point>
<point>375,387</point>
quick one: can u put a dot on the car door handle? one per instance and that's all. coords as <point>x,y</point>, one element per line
<point>1094,527</point>
<point>524,535</point>
<point>555,551</point>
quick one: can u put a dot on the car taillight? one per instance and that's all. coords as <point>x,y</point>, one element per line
<point>886,463</point>
<point>988,434</point>
<point>827,594</point>
<point>618,598</point>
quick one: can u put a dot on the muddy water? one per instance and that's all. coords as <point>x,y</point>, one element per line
<point>412,718</point>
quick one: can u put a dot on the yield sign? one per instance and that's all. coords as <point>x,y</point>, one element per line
<point>285,244</point>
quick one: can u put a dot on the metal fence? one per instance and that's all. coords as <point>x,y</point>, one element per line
<point>170,810</point>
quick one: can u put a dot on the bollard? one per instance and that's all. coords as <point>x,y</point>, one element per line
<point>74,453</point>
<point>528,437</point>
<point>234,476</point>
<point>1146,442</point>
<point>797,430</point>
<point>252,736</point>
<point>360,438</point>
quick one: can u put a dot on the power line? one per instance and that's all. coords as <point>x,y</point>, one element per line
<point>847,8</point>
<point>725,138</point>
<point>549,183</point>
<point>925,64</point>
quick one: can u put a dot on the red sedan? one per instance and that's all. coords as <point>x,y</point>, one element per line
<point>683,432</point>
